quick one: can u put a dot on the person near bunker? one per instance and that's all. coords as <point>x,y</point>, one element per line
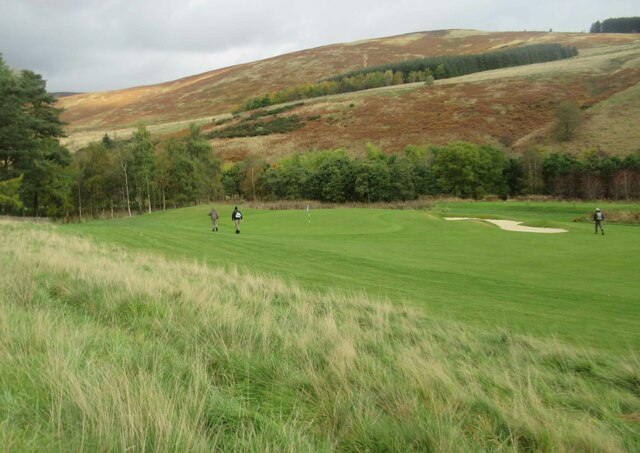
<point>236,216</point>
<point>214,219</point>
<point>598,220</point>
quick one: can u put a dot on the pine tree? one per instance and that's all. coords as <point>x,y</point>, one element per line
<point>30,128</point>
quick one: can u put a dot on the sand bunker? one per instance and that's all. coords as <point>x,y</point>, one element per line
<point>511,225</point>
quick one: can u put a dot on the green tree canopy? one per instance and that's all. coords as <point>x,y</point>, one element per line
<point>620,25</point>
<point>467,170</point>
<point>372,180</point>
<point>9,196</point>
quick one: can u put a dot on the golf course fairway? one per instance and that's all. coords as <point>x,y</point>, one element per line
<point>576,286</point>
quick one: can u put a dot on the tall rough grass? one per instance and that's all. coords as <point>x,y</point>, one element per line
<point>106,350</point>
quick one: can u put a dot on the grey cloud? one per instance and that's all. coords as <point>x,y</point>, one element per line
<point>86,45</point>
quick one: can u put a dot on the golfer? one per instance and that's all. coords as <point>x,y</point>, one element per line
<point>236,216</point>
<point>598,219</point>
<point>214,219</point>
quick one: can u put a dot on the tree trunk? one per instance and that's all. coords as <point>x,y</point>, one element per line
<point>126,185</point>
<point>35,204</point>
<point>149,196</point>
<point>79,202</point>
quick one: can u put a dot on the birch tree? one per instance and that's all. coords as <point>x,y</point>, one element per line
<point>143,166</point>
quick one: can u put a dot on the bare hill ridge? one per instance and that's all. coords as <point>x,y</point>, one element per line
<point>514,106</point>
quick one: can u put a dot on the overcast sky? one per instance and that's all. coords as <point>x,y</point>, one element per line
<point>94,45</point>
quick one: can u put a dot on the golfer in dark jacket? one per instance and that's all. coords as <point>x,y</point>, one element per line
<point>236,216</point>
<point>598,219</point>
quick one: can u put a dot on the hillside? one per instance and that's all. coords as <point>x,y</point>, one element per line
<point>513,106</point>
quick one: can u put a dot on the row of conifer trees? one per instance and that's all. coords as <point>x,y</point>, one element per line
<point>617,25</point>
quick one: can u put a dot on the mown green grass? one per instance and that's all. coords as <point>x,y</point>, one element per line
<point>567,211</point>
<point>575,286</point>
<point>106,349</point>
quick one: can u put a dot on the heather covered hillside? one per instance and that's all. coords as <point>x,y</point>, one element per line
<point>514,106</point>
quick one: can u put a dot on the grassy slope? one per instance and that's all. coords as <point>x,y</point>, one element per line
<point>102,349</point>
<point>575,286</point>
<point>515,104</point>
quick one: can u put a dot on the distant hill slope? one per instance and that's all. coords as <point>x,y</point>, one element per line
<point>513,106</point>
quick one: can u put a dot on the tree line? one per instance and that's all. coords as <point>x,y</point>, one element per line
<point>417,70</point>
<point>39,177</point>
<point>140,175</point>
<point>109,178</point>
<point>617,25</point>
<point>458,169</point>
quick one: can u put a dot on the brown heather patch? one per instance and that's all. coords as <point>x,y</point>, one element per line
<point>436,115</point>
<point>268,147</point>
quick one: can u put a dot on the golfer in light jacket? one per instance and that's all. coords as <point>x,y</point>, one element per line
<point>236,216</point>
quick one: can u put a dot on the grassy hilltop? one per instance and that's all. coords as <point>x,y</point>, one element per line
<point>159,335</point>
<point>514,105</point>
